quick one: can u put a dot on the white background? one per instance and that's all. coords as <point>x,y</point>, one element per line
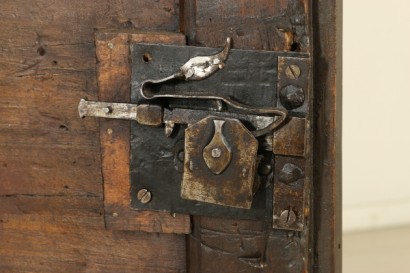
<point>376,114</point>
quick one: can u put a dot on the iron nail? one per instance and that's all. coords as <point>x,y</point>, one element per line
<point>292,96</point>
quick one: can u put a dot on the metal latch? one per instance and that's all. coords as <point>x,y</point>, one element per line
<point>201,143</point>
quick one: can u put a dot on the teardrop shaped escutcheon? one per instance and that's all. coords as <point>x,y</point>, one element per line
<point>217,154</point>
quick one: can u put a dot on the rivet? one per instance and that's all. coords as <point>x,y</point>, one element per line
<point>292,96</point>
<point>287,217</point>
<point>292,72</point>
<point>144,196</point>
<point>115,214</point>
<point>109,131</point>
<point>289,173</point>
<point>264,168</point>
<point>110,45</point>
<point>216,153</point>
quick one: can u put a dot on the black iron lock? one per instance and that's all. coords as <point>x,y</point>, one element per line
<point>203,142</point>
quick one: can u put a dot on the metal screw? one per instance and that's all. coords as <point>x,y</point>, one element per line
<point>216,153</point>
<point>110,45</point>
<point>144,196</point>
<point>287,217</point>
<point>292,72</point>
<point>292,96</point>
<point>109,131</point>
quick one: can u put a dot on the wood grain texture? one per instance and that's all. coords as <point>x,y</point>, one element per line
<point>114,79</point>
<point>278,25</point>
<point>51,194</point>
<point>327,24</point>
<point>234,245</point>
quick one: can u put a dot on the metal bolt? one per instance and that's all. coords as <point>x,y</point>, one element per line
<point>216,153</point>
<point>110,45</point>
<point>287,217</point>
<point>264,169</point>
<point>292,72</point>
<point>292,96</point>
<point>109,131</point>
<point>144,196</point>
<point>289,173</point>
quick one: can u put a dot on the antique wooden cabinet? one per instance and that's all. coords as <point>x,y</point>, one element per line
<point>71,198</point>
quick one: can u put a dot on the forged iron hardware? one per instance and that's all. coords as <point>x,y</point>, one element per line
<point>220,141</point>
<point>195,69</point>
<point>200,68</point>
<point>223,171</point>
<point>217,154</point>
<point>155,115</point>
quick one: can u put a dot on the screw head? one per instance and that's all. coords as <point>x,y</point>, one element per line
<point>144,196</point>
<point>292,96</point>
<point>292,72</point>
<point>287,217</point>
<point>110,45</point>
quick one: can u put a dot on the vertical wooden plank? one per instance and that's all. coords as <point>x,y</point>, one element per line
<point>51,194</point>
<point>327,26</point>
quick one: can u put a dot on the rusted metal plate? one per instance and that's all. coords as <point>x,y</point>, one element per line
<point>220,161</point>
<point>249,77</point>
<point>288,193</point>
<point>290,138</point>
<point>157,154</point>
<point>293,84</point>
<point>157,165</point>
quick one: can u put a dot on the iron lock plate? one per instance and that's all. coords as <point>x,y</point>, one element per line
<point>255,78</point>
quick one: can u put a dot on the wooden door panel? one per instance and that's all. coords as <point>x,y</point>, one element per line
<point>51,193</point>
<point>59,210</point>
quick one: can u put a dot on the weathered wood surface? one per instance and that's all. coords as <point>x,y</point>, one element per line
<point>51,193</point>
<point>327,24</point>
